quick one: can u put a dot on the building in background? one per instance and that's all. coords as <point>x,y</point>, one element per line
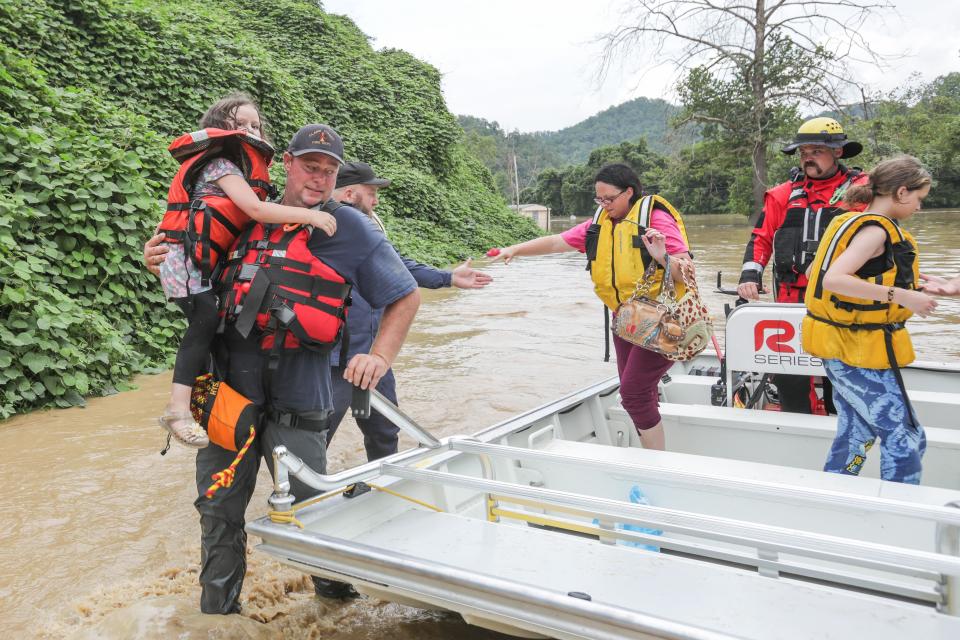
<point>536,212</point>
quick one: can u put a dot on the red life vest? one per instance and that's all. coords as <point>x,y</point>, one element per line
<point>208,226</point>
<point>273,282</point>
<point>807,216</point>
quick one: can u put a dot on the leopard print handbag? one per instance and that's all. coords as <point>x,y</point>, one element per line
<point>676,329</point>
<point>693,316</point>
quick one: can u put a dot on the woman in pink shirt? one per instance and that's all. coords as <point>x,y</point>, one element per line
<point>619,194</point>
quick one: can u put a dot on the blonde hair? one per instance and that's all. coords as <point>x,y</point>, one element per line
<point>887,178</point>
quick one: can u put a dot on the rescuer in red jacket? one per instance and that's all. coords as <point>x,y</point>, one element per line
<point>787,233</point>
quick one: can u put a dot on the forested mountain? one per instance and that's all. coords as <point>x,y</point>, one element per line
<point>638,118</point>
<point>712,176</point>
<point>91,94</point>
<point>641,118</point>
<point>496,149</point>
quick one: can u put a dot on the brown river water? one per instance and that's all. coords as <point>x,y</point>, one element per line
<point>100,538</point>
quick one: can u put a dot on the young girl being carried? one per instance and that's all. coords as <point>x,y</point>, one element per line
<point>199,235</point>
<point>863,287</point>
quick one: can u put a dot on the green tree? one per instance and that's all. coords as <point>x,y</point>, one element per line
<point>922,120</point>
<point>707,178</point>
<point>547,190</point>
<point>749,65</point>
<point>497,149</point>
<point>712,177</point>
<point>570,191</point>
<point>91,92</point>
<point>640,117</point>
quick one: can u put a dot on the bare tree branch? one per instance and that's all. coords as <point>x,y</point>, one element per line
<point>757,60</point>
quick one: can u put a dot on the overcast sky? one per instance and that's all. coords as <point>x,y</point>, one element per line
<point>532,64</point>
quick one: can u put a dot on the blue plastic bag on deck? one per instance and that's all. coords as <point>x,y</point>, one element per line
<point>636,497</point>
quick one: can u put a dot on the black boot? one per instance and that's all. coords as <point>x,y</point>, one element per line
<point>333,589</point>
<point>223,562</point>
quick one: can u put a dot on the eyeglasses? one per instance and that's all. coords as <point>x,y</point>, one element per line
<point>605,202</point>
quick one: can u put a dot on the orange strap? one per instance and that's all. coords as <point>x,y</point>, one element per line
<point>225,478</point>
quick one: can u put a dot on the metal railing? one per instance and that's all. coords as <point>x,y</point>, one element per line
<point>700,534</point>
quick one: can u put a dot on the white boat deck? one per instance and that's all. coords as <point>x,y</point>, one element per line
<point>727,600</point>
<point>755,542</point>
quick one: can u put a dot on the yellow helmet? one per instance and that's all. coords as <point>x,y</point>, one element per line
<point>826,132</point>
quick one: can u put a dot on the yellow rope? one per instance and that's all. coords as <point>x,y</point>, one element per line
<point>551,522</point>
<point>400,495</point>
<point>289,517</point>
<point>225,478</point>
<point>284,517</point>
<point>321,498</point>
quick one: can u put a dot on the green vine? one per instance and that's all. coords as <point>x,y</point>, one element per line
<point>92,92</point>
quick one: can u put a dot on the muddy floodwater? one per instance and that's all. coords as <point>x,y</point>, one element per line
<point>100,537</point>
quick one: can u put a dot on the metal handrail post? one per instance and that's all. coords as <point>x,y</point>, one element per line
<point>286,463</point>
<point>394,414</point>
<point>948,543</point>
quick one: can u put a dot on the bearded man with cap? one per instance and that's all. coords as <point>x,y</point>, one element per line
<point>296,397</point>
<point>357,185</point>
<point>795,215</point>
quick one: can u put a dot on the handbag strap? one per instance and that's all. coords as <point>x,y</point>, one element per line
<point>689,280</point>
<point>643,284</point>
<point>669,286</point>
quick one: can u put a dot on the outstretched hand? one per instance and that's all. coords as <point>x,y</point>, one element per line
<point>505,253</point>
<point>939,286</point>
<point>466,277</point>
<point>917,301</point>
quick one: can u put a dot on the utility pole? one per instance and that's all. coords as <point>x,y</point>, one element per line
<point>516,181</point>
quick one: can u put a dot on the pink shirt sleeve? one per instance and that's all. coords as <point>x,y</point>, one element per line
<point>662,221</point>
<point>665,224</point>
<point>576,236</point>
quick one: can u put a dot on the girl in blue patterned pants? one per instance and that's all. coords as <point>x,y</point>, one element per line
<point>870,406</point>
<point>862,289</point>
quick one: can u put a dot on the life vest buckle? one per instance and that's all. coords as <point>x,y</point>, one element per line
<point>283,315</point>
<point>248,271</point>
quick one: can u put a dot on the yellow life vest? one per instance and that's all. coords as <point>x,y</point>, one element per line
<point>620,257</point>
<point>858,332</point>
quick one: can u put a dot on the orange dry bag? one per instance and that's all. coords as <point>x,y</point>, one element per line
<point>230,420</point>
<point>226,414</point>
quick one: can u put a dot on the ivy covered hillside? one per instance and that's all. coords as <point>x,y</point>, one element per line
<point>91,94</point>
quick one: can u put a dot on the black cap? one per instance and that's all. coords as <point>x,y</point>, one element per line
<point>358,173</point>
<point>317,138</point>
